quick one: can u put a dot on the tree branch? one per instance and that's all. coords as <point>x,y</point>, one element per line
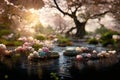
<point>99,15</point>
<point>70,30</point>
<point>65,13</point>
<point>76,9</point>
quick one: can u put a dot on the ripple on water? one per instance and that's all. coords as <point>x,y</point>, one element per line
<point>63,66</point>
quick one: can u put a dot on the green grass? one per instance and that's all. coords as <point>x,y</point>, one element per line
<point>10,42</point>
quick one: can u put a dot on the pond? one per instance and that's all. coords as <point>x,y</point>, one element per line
<point>65,68</point>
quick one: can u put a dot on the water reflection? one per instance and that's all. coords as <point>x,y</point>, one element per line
<point>64,63</point>
<point>34,68</point>
<point>62,66</point>
<point>98,64</point>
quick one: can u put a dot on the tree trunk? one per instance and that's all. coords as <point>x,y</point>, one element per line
<point>80,28</point>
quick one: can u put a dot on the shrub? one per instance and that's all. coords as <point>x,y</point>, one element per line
<point>40,37</point>
<point>106,38</point>
<point>37,46</point>
<point>93,41</point>
<point>108,42</point>
<point>4,32</point>
<point>64,41</point>
<point>11,43</point>
<point>18,43</point>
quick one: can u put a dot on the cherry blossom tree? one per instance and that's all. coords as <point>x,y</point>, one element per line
<point>83,10</point>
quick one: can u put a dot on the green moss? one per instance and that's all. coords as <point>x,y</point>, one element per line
<point>37,46</point>
<point>64,41</point>
<point>18,43</point>
<point>40,37</point>
<point>93,41</point>
<point>11,43</point>
<point>4,32</point>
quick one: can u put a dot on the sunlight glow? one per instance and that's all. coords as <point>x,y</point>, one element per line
<point>27,26</point>
<point>31,21</point>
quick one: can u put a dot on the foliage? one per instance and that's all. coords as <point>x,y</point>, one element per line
<point>108,42</point>
<point>93,41</point>
<point>11,43</point>
<point>4,32</point>
<point>4,26</point>
<point>106,38</point>
<point>37,46</point>
<point>64,41</point>
<point>102,30</point>
<point>54,76</point>
<point>40,37</point>
<point>18,43</point>
<point>44,30</point>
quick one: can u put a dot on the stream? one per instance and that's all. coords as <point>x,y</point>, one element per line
<point>65,68</point>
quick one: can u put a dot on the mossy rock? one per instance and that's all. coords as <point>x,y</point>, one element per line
<point>54,55</point>
<point>70,53</point>
<point>65,44</point>
<point>51,55</point>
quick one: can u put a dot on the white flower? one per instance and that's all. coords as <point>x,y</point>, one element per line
<point>94,51</point>
<point>112,52</point>
<point>31,55</point>
<point>35,54</point>
<point>103,52</point>
<point>2,46</point>
<point>39,50</point>
<point>31,49</point>
<point>78,49</point>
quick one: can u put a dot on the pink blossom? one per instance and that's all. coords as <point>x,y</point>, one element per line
<point>89,55</point>
<point>27,44</point>
<point>19,49</point>
<point>24,39</point>
<point>79,57</point>
<point>45,49</point>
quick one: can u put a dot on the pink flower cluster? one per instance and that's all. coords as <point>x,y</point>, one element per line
<point>26,47</point>
<point>36,54</point>
<point>81,49</point>
<point>102,54</point>
<point>45,49</point>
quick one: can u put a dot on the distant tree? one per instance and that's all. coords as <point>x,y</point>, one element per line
<point>60,24</point>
